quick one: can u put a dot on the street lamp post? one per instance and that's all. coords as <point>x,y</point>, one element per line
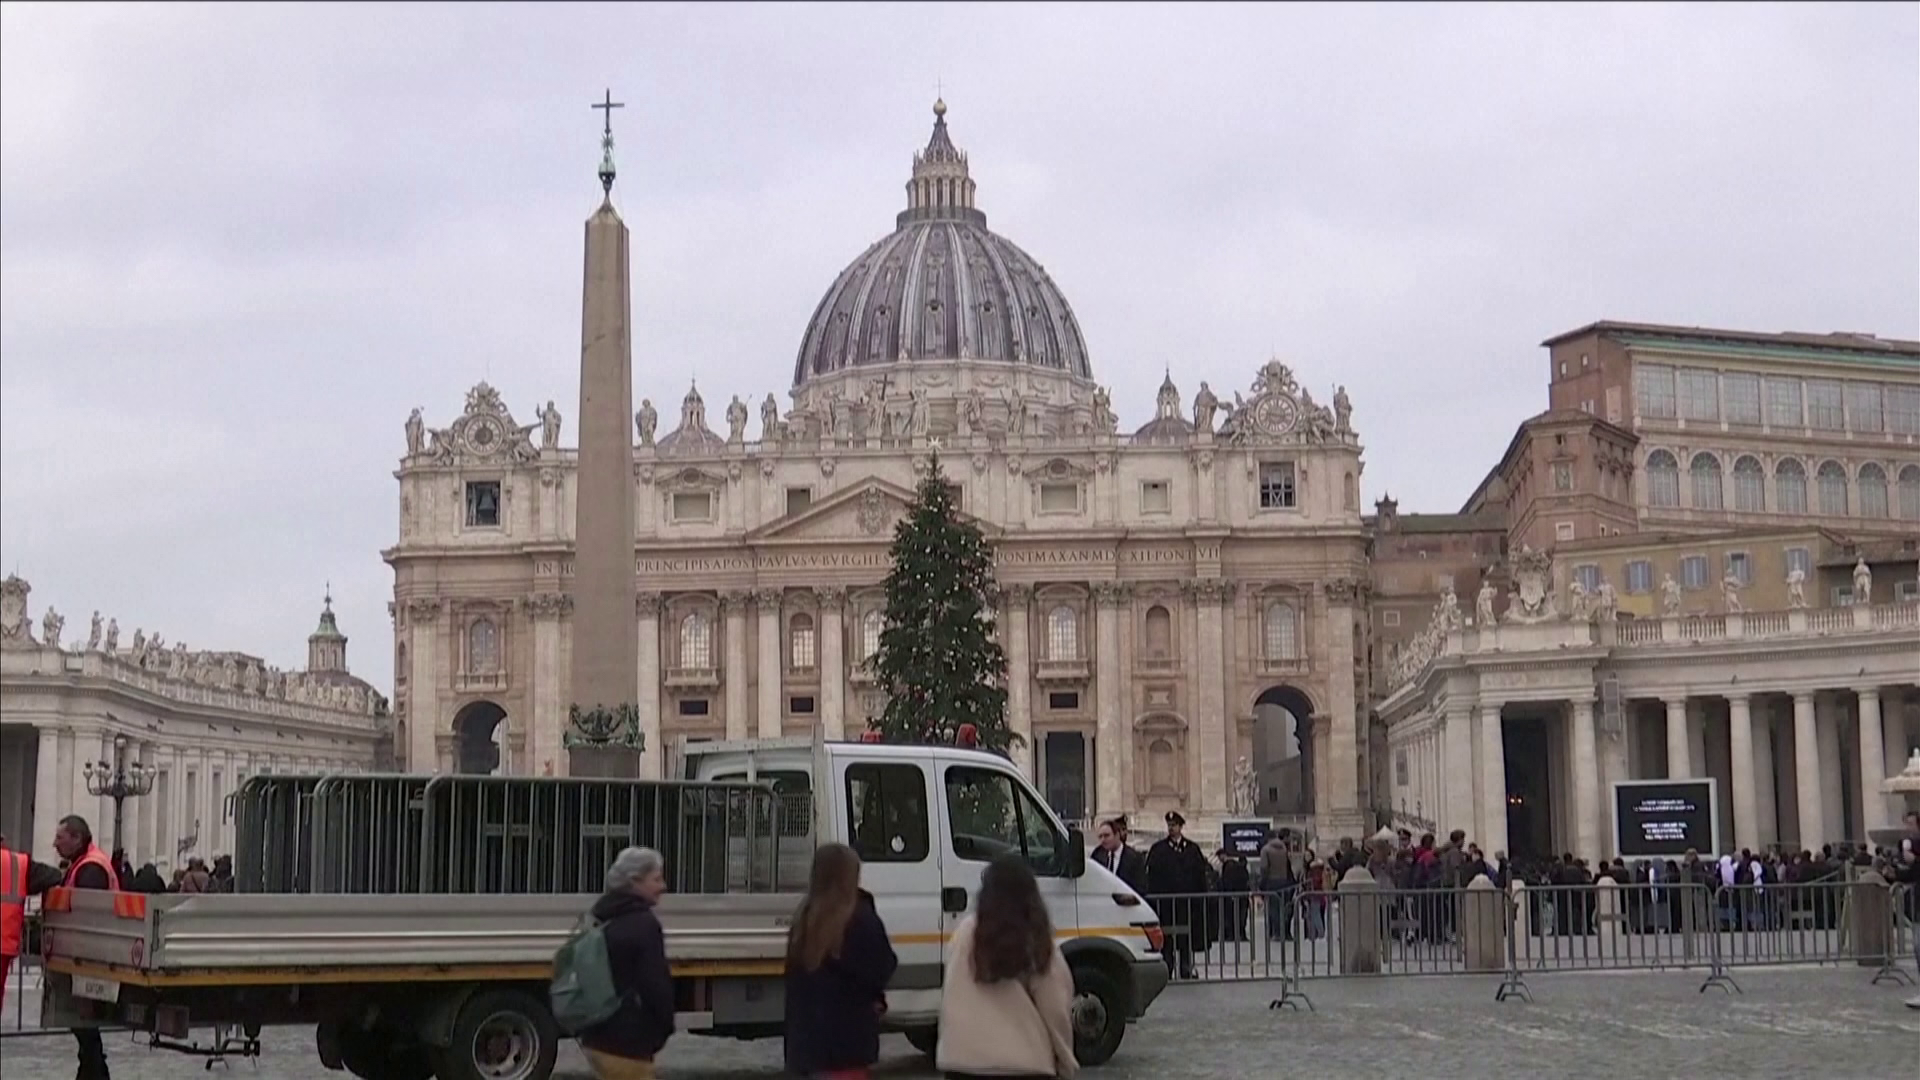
<point>118,781</point>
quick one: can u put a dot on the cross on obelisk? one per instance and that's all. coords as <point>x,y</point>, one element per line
<point>606,107</point>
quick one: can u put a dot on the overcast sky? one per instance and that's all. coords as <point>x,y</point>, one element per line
<point>240,243</point>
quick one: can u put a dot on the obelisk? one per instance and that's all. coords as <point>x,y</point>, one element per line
<point>605,632</point>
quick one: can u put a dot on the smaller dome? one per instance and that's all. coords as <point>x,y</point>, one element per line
<point>1167,425</point>
<point>692,438</point>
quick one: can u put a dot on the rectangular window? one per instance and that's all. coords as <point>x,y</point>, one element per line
<point>1442,582</point>
<point>955,493</point>
<point>989,816</point>
<point>1063,700</point>
<point>1824,405</point>
<point>1800,559</point>
<point>1389,618</point>
<point>1588,575</point>
<point>483,504</point>
<point>693,506</point>
<point>800,706</point>
<point>1400,768</point>
<point>1693,572</point>
<point>798,499</point>
<point>1156,497</point>
<point>1863,407</point>
<point>1276,485</point>
<point>1640,576</point>
<point>1903,410</point>
<point>694,707</point>
<point>1653,391</point>
<point>1699,394</point>
<point>1563,476</point>
<point>1740,566</point>
<point>1907,591</point>
<point>887,812</point>
<point>1563,530</point>
<point>1059,498</point>
<point>1842,596</point>
<point>1740,397</point>
<point>1783,402</point>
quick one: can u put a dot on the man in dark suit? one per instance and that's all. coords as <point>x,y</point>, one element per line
<point>1126,863</point>
<point>1177,873</point>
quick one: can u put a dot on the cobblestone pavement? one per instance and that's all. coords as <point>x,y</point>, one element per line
<point>1827,1023</point>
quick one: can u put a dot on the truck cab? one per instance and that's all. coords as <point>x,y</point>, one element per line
<point>925,821</point>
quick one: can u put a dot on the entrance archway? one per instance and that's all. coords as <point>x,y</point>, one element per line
<point>1283,751</point>
<point>477,730</point>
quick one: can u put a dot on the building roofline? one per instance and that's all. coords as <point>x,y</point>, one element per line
<point>1837,341</point>
<point>1543,419</point>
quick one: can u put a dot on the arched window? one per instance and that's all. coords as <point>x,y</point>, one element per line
<point>1910,493</point>
<point>1873,491</point>
<point>1790,487</point>
<point>696,641</point>
<point>1159,633</point>
<point>1063,634</point>
<point>1663,479</point>
<point>1706,482</point>
<point>1832,479</point>
<point>1749,486</point>
<point>483,647</point>
<point>1282,632</point>
<point>870,628</point>
<point>800,642</point>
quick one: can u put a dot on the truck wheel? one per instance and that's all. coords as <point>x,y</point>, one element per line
<point>500,1035</point>
<point>1099,1020</point>
<point>378,1055</point>
<point>925,1040</point>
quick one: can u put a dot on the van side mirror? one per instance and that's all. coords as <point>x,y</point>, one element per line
<point>1076,863</point>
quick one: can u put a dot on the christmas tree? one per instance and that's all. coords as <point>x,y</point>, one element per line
<point>938,660</point>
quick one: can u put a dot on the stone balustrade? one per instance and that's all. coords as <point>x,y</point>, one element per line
<point>119,669</point>
<point>1670,631</point>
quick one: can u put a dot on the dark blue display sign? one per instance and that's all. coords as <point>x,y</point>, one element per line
<point>1244,838</point>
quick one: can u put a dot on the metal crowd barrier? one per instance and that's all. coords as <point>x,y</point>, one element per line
<point>1297,935</point>
<point>363,833</point>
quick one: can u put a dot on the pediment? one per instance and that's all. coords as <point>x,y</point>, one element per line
<point>1058,469</point>
<point>866,511</point>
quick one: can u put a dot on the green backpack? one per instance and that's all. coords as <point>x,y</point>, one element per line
<point>582,994</point>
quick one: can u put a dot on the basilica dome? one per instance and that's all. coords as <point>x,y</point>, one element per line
<point>942,287</point>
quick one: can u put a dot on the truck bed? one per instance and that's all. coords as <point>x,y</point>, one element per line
<point>237,939</point>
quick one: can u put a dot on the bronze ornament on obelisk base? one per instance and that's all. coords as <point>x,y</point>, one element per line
<point>603,736</point>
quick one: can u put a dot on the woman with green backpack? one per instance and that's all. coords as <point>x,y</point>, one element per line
<point>623,1044</point>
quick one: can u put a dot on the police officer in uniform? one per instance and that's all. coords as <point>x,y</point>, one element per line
<point>1177,871</point>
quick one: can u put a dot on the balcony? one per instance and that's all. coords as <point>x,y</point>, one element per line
<point>693,678</point>
<point>1156,665</point>
<point>1062,672</point>
<point>1284,665</point>
<point>480,682</point>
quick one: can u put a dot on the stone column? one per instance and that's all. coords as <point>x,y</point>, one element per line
<point>772,664</point>
<point>1456,808</point>
<point>1833,797</point>
<point>1806,773</point>
<point>647,608</point>
<point>1746,813</point>
<point>1873,763</point>
<point>1020,674</point>
<point>1893,720</point>
<point>1110,771</point>
<point>1342,777</point>
<point>546,735</point>
<point>1679,746</point>
<point>424,721</point>
<point>1493,764</point>
<point>833,662</point>
<point>1210,727</point>
<point>1586,782</point>
<point>734,615</point>
<point>48,804</point>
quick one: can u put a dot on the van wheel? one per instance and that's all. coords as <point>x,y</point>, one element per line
<point>926,1040</point>
<point>500,1035</point>
<point>1099,1019</point>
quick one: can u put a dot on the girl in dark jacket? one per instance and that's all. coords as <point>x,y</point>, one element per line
<point>838,964</point>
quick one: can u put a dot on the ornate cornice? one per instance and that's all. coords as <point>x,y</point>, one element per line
<point>1210,590</point>
<point>1341,590</point>
<point>647,603</point>
<point>423,607</point>
<point>765,599</point>
<point>830,596</point>
<point>1018,596</point>
<point>1112,593</point>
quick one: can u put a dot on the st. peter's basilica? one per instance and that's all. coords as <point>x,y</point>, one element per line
<point>1180,605</point>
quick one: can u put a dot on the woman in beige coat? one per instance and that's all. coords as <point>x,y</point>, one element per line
<point>1006,1006</point>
